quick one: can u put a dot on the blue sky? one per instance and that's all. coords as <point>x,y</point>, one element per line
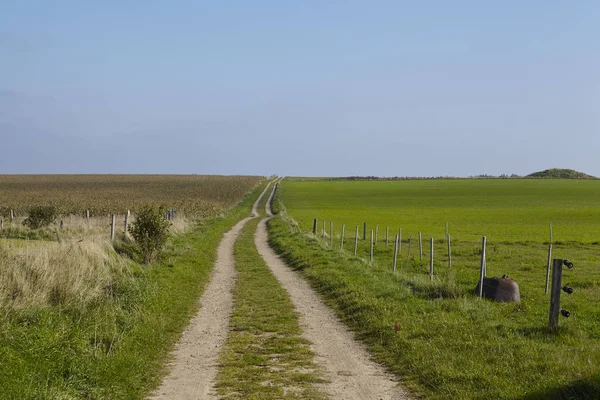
<point>330,88</point>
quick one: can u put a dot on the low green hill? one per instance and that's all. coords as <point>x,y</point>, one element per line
<point>560,173</point>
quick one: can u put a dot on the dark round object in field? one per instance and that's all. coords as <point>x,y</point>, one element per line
<point>500,289</point>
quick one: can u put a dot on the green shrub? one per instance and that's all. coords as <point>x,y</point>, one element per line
<point>40,216</point>
<point>150,231</point>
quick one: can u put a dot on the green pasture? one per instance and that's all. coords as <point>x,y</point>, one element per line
<point>450,343</point>
<point>514,215</point>
<point>511,210</point>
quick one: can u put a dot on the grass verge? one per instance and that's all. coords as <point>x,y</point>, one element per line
<point>444,343</point>
<point>114,348</point>
<point>264,356</point>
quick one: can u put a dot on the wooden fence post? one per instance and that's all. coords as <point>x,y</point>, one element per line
<point>400,241</point>
<point>555,293</point>
<point>420,248</point>
<point>395,254</point>
<point>548,267</point>
<point>12,215</point>
<point>112,228</point>
<point>355,240</point>
<point>364,231</point>
<point>482,267</point>
<point>431,258</point>
<point>126,222</point>
<point>449,252</point>
<point>87,214</point>
<point>57,235</point>
<point>408,252</point>
<point>315,226</point>
<point>342,237</point>
<point>1,224</point>
<point>371,248</point>
<point>323,235</point>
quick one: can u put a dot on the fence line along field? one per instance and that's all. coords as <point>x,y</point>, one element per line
<point>436,331</point>
<point>196,196</point>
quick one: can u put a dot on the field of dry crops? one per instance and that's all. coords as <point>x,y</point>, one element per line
<point>196,196</point>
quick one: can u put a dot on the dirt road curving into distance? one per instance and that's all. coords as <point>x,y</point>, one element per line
<point>351,372</point>
<point>195,358</point>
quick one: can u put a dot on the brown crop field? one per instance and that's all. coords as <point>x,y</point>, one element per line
<point>196,196</point>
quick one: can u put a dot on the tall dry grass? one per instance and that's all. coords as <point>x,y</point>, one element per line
<point>78,227</point>
<point>75,226</point>
<point>41,274</point>
<point>80,270</point>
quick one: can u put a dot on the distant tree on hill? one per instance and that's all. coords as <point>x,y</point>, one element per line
<point>560,173</point>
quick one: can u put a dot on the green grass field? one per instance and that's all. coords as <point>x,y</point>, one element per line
<point>450,344</point>
<point>512,210</point>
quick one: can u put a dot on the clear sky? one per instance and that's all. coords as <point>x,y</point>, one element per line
<point>325,88</point>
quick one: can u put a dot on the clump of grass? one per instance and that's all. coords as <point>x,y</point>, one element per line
<point>24,233</point>
<point>180,224</point>
<point>441,287</point>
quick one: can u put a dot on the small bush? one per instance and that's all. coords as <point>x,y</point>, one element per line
<point>40,217</point>
<point>150,231</point>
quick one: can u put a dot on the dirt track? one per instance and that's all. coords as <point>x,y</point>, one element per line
<point>194,364</point>
<point>351,372</point>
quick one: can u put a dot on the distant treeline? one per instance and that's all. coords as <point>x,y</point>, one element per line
<point>409,178</point>
<point>554,173</point>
